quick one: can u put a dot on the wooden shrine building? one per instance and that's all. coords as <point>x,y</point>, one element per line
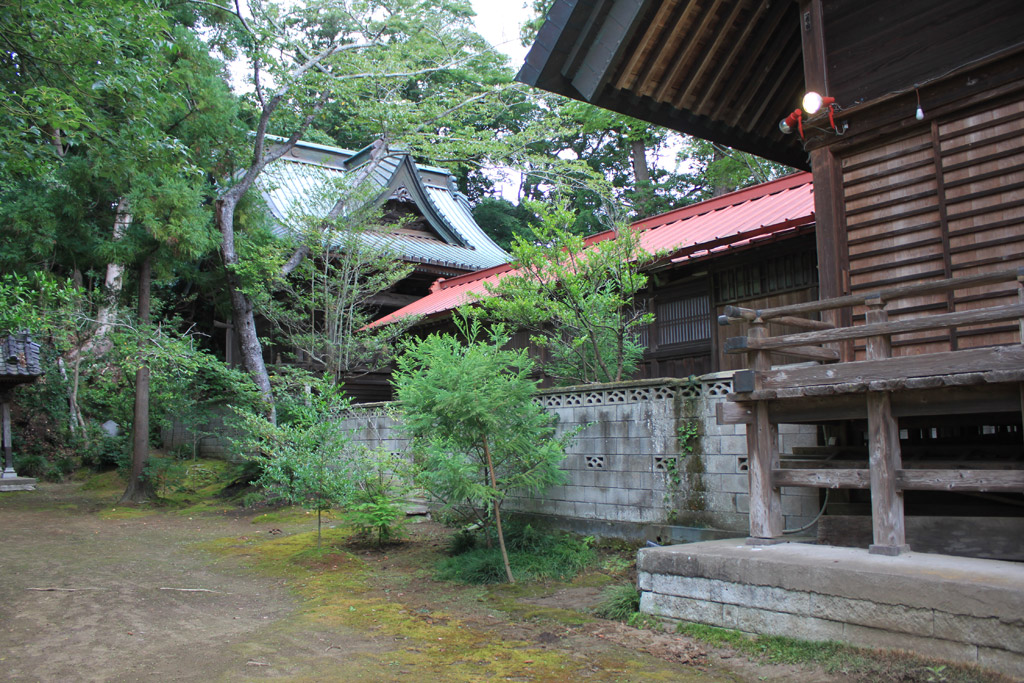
<point>915,363</point>
<point>19,364</point>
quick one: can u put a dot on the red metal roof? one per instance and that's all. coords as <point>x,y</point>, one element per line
<point>696,231</point>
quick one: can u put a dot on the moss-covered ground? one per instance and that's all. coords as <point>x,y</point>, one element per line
<point>193,587</point>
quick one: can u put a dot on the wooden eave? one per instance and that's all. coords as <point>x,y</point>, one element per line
<point>723,70</point>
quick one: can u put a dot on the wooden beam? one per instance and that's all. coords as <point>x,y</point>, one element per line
<point>930,322</point>
<point>890,293</point>
<point>5,418</point>
<point>823,478</point>
<point>884,458</point>
<point>884,461</point>
<point>681,66</point>
<point>1001,481</point>
<point>1002,400</point>
<point>731,413</point>
<point>976,366</point>
<point>812,353</point>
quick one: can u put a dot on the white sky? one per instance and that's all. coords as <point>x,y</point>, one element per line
<point>498,21</point>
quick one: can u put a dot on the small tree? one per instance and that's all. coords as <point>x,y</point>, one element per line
<point>304,461</point>
<point>579,301</point>
<point>470,409</point>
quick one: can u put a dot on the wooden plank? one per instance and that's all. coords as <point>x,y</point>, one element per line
<point>888,294</point>
<point>765,512</point>
<point>811,353</point>
<point>730,413</point>
<point>1001,481</point>
<point>931,322</point>
<point>946,363</point>
<point>884,461</point>
<point>823,478</point>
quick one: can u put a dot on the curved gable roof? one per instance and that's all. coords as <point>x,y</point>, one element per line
<point>307,181</point>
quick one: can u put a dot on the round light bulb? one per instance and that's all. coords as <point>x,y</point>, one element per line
<point>920,114</point>
<point>784,127</point>
<point>812,102</point>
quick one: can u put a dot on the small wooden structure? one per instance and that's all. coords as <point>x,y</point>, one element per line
<point>881,389</point>
<point>19,363</point>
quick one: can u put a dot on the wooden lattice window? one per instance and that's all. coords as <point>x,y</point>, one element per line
<point>768,276</point>
<point>684,319</point>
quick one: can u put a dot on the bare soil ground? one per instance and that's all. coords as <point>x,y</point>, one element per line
<point>93,592</point>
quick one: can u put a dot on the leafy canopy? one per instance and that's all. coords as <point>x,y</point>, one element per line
<point>578,301</point>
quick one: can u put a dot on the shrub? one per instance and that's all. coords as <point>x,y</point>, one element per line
<point>619,602</point>
<point>533,554</point>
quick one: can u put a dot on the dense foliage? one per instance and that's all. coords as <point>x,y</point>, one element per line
<point>577,300</point>
<point>129,147</point>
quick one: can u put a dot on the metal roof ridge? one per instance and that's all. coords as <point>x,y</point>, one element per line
<point>787,182</point>
<point>482,274</point>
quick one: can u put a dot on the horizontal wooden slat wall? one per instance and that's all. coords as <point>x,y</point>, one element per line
<point>894,229</point>
<point>944,201</point>
<point>982,160</point>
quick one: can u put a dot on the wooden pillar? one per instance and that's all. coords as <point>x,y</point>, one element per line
<point>762,455</point>
<point>826,169</point>
<point>5,418</point>
<point>884,458</point>
<point>1020,299</point>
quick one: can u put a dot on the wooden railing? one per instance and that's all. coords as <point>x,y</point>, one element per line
<point>761,395</point>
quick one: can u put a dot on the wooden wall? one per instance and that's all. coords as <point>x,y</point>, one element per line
<point>942,200</point>
<point>878,47</point>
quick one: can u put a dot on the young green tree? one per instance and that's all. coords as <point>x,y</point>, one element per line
<point>469,407</point>
<point>578,300</point>
<point>306,460</point>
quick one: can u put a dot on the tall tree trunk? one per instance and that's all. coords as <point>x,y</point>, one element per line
<point>139,488</point>
<point>242,307</point>
<point>107,311</point>
<point>641,173</point>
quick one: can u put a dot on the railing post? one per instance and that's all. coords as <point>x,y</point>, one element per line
<point>762,454</point>
<point>883,451</point>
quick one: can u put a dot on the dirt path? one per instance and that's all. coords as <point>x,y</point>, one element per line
<point>89,595</point>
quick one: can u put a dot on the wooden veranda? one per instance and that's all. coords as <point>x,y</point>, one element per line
<point>881,389</point>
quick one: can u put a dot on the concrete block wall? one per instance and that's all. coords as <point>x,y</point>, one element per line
<point>212,442</point>
<point>619,469</point>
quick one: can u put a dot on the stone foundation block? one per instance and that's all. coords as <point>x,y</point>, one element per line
<point>929,647</point>
<point>1005,634</point>
<point>768,622</point>
<point>682,609</point>
<point>898,618</point>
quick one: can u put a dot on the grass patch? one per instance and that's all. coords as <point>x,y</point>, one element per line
<point>619,602</point>
<point>534,554</point>
<point>840,659</point>
<point>336,588</point>
<point>294,515</point>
